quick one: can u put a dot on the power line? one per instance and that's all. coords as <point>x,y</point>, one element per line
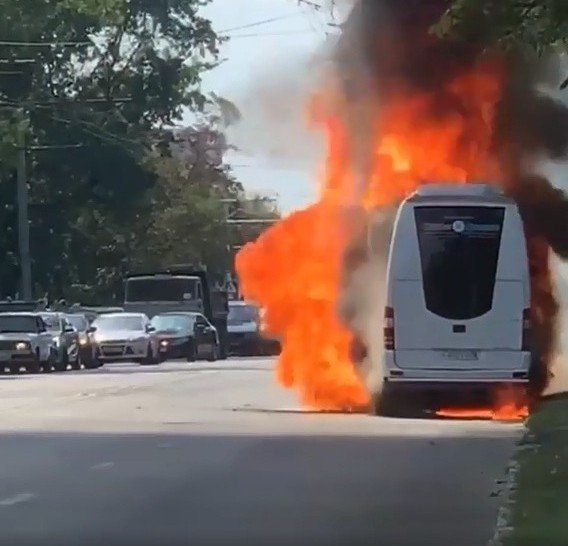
<point>285,33</point>
<point>44,147</point>
<point>65,102</point>
<point>18,61</point>
<point>43,44</point>
<point>258,23</point>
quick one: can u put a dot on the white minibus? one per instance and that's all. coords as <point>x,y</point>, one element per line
<point>457,314</point>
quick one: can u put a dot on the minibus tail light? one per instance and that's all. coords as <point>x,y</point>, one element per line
<point>526,345</point>
<point>388,329</point>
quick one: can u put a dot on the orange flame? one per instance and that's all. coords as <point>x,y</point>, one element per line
<point>293,270</point>
<point>508,405</point>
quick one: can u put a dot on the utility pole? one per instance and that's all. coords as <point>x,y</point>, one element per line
<point>231,222</point>
<point>23,220</point>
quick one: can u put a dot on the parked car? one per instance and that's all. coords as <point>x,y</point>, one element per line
<point>86,345</point>
<point>25,342</point>
<point>124,337</point>
<point>186,335</point>
<point>246,336</point>
<point>66,340</point>
<point>243,329</point>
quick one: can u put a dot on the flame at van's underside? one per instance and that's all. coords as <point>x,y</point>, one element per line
<point>401,108</point>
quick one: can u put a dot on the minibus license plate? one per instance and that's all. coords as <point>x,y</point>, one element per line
<point>460,355</point>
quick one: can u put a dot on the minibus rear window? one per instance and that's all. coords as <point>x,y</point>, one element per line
<point>459,250</point>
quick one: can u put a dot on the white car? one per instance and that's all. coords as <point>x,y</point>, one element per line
<point>25,342</point>
<point>125,337</point>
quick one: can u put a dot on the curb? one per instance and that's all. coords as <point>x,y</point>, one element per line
<point>503,527</point>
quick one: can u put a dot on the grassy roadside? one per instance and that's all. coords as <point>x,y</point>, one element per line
<point>540,511</point>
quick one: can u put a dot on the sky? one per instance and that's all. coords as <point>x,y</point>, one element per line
<point>265,72</point>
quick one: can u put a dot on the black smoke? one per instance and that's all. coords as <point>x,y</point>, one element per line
<point>386,46</point>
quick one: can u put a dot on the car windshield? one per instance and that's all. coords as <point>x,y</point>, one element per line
<point>107,322</point>
<point>242,313</point>
<point>172,322</point>
<point>18,324</point>
<point>52,323</point>
<point>79,322</point>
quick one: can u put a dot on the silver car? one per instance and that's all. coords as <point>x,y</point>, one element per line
<point>125,337</point>
<point>24,342</point>
<point>66,340</point>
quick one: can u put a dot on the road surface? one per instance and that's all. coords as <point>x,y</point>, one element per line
<point>217,454</point>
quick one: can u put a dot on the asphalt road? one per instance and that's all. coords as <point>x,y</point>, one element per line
<point>209,454</point>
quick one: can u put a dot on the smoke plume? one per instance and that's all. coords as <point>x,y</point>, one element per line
<point>387,51</point>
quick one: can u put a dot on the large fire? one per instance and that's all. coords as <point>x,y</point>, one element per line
<point>293,269</point>
<point>408,135</point>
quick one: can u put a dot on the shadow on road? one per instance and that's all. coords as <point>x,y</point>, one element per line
<point>123,370</point>
<point>207,489</point>
<point>427,415</point>
<point>20,376</point>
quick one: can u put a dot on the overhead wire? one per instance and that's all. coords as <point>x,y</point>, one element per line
<point>283,33</point>
<point>259,23</point>
<point>43,44</point>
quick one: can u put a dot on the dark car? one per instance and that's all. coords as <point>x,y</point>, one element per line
<point>245,334</point>
<point>243,331</point>
<point>186,335</point>
<point>86,347</point>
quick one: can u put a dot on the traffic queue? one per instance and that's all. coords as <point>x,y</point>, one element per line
<point>37,339</point>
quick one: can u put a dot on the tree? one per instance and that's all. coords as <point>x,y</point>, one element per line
<point>187,222</point>
<point>102,74</point>
<point>539,24</point>
<point>195,196</point>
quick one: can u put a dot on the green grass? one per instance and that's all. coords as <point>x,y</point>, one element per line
<point>540,512</point>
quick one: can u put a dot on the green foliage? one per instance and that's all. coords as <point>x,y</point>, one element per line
<point>539,24</point>
<point>540,499</point>
<point>106,75</point>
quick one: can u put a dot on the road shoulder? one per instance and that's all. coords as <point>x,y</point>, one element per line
<point>539,501</point>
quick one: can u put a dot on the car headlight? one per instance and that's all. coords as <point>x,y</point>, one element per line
<point>22,346</point>
<point>83,340</point>
<point>164,343</point>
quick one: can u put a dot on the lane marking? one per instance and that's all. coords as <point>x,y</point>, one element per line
<point>18,499</point>
<point>102,466</point>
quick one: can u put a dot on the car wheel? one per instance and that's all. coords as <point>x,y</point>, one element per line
<point>222,352</point>
<point>62,362</point>
<point>76,364</point>
<point>34,367</point>
<point>92,363</point>
<point>383,405</point>
<point>150,359</point>
<point>47,366</point>
<point>213,354</point>
<point>394,403</point>
<point>191,352</point>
